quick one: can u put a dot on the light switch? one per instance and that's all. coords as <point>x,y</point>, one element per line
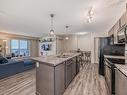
<point>37,64</point>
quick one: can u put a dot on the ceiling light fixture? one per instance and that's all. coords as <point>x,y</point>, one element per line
<point>67,32</point>
<point>52,30</point>
<point>90,15</point>
<point>81,33</point>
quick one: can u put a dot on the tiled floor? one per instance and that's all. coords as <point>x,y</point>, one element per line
<point>87,82</point>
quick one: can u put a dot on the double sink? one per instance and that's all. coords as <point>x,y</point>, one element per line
<point>63,56</point>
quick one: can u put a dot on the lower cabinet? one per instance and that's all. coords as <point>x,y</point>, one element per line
<point>50,80</point>
<point>108,78</point>
<point>120,83</point>
<point>53,80</point>
<point>59,79</point>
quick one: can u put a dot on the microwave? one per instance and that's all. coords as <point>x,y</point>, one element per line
<point>122,34</point>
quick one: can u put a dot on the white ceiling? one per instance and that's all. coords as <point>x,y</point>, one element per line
<point>31,17</point>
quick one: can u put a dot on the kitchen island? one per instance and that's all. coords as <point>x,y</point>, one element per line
<point>55,73</point>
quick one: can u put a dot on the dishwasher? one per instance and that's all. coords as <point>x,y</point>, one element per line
<point>68,73</point>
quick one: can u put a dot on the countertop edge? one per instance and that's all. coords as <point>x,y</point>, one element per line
<point>54,65</point>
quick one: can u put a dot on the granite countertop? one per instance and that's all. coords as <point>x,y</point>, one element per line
<point>54,60</point>
<point>112,56</point>
<point>122,68</point>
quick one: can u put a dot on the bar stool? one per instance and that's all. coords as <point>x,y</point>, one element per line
<point>88,57</point>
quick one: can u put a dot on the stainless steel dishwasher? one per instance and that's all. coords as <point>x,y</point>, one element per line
<point>68,73</point>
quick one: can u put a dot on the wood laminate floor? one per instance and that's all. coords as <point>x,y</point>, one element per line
<point>87,82</point>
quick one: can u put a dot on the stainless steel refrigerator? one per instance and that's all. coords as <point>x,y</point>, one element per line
<point>103,42</point>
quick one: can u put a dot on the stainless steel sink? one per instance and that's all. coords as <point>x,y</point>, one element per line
<point>63,56</point>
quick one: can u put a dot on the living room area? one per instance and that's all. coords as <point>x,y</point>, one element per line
<point>15,54</point>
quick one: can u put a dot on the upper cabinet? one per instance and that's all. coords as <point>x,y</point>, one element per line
<point>123,19</point>
<point>126,17</point>
<point>116,27</point>
<point>111,32</point>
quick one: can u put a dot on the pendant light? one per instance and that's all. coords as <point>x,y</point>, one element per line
<point>66,38</point>
<point>52,30</point>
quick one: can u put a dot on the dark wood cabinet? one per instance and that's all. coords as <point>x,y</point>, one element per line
<point>120,83</point>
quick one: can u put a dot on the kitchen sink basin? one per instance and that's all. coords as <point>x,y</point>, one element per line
<point>63,56</point>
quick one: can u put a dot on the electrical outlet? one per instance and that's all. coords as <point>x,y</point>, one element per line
<point>37,64</point>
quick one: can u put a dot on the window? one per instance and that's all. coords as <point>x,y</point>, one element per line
<point>20,48</point>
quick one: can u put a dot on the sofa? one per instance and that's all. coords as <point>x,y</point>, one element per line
<point>12,67</point>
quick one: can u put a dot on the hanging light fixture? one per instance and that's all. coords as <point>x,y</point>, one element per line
<point>66,31</point>
<point>52,30</point>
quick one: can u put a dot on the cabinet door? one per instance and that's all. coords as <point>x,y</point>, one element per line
<point>111,32</point>
<point>45,79</point>
<point>74,68</point>
<point>116,27</point>
<point>126,17</point>
<point>108,78</point>
<point>123,19</point>
<point>120,83</point>
<point>60,79</point>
